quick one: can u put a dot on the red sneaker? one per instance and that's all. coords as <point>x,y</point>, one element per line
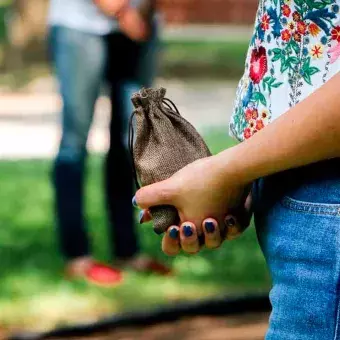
<point>103,275</point>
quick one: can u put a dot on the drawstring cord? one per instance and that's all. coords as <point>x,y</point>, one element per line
<point>170,105</point>
<point>131,137</point>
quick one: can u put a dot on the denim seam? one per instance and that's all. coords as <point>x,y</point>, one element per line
<point>311,208</point>
<point>337,326</point>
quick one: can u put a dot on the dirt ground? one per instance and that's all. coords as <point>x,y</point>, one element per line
<point>247,327</point>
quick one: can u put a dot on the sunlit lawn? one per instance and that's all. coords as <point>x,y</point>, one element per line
<point>33,293</point>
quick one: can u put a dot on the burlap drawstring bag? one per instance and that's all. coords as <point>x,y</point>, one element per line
<point>161,143</point>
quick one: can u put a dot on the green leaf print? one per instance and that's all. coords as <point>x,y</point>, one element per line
<point>295,46</point>
<point>313,70</point>
<point>306,64</point>
<point>269,82</point>
<point>292,61</point>
<point>299,2</point>
<point>284,65</point>
<point>307,71</point>
<point>318,4</point>
<point>277,54</point>
<point>307,78</point>
<point>288,63</point>
<point>259,97</point>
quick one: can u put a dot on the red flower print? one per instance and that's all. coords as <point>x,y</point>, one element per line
<point>251,114</point>
<point>248,114</point>
<point>336,33</point>
<point>265,22</point>
<point>258,64</point>
<point>291,26</point>
<point>314,29</point>
<point>247,133</point>
<point>316,51</point>
<point>259,124</point>
<point>286,10</point>
<point>296,16</point>
<point>285,35</point>
<point>301,27</point>
<point>297,36</point>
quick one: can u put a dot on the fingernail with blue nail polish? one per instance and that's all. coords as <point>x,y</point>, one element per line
<point>210,227</point>
<point>230,222</point>
<point>187,231</point>
<point>134,202</point>
<point>173,233</point>
<point>141,216</point>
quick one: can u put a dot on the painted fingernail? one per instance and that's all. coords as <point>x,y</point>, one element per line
<point>174,233</point>
<point>230,222</point>
<point>141,217</point>
<point>187,231</point>
<point>209,227</point>
<point>134,202</point>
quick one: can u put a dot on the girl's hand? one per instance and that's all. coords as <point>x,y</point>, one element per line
<point>186,236</point>
<point>200,191</point>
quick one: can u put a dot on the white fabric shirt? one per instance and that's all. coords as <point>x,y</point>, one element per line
<point>82,15</point>
<point>295,49</point>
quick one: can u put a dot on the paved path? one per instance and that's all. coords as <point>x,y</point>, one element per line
<point>29,122</point>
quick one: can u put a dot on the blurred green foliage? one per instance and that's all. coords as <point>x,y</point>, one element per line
<point>4,10</point>
<point>33,292</point>
<point>204,59</point>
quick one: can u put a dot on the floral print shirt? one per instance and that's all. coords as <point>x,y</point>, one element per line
<point>294,50</point>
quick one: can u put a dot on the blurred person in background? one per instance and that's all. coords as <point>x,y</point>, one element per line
<point>85,36</point>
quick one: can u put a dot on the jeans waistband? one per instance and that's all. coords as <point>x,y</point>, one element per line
<point>319,183</point>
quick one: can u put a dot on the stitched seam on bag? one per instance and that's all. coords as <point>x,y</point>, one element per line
<point>311,208</point>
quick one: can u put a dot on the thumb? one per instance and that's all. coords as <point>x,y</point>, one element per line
<point>237,222</point>
<point>155,194</point>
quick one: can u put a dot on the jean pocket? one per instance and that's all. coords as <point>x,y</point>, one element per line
<point>311,207</point>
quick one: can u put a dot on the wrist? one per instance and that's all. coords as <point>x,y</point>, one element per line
<point>233,167</point>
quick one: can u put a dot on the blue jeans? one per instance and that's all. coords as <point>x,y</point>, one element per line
<point>297,217</point>
<point>81,63</point>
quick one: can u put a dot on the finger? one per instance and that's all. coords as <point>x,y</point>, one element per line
<point>153,195</point>
<point>212,233</point>
<point>232,228</point>
<point>189,238</point>
<point>170,241</point>
<point>144,216</point>
<point>239,219</point>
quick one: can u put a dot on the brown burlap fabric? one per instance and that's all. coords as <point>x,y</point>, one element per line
<point>164,143</point>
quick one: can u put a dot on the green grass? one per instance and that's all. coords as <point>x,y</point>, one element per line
<point>33,293</point>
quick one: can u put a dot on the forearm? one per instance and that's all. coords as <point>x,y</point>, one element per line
<point>307,133</point>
